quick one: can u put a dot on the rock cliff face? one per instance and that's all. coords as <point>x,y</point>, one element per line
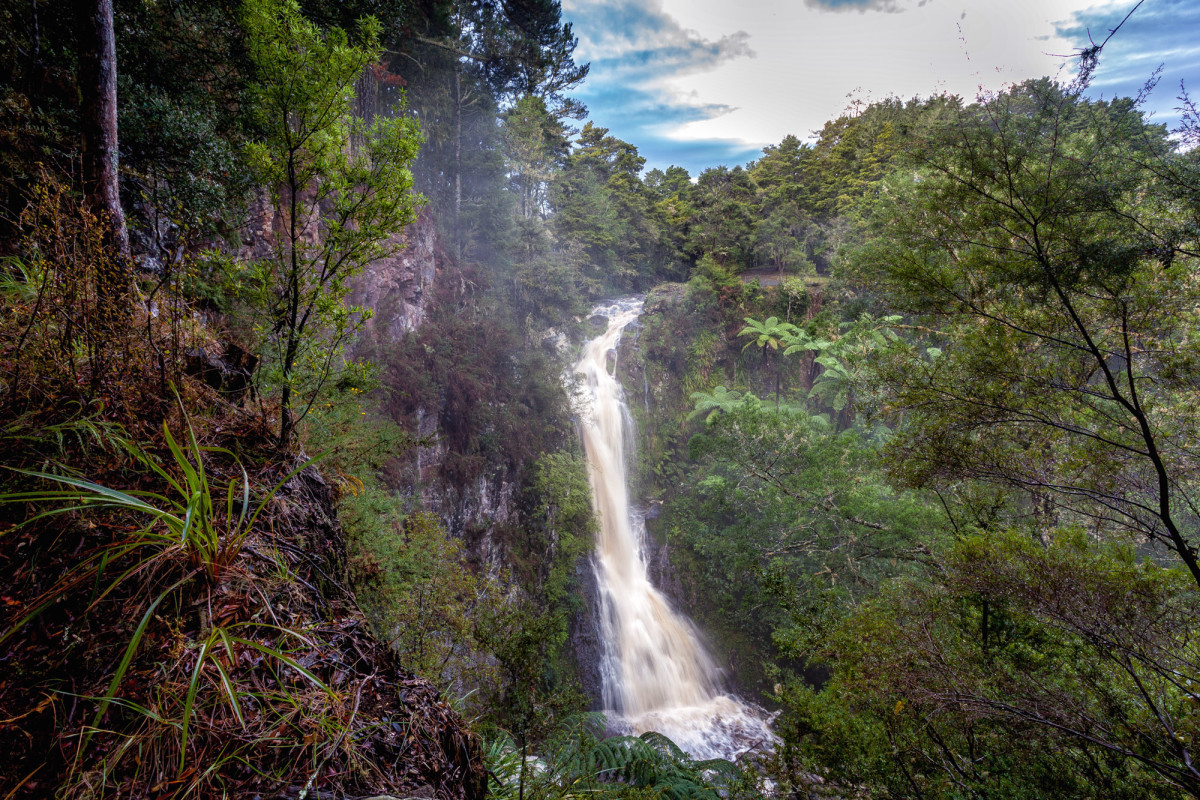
<point>399,288</point>
<point>470,512</point>
<point>586,642</point>
<point>413,295</point>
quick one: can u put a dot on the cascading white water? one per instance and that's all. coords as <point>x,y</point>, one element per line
<point>656,673</point>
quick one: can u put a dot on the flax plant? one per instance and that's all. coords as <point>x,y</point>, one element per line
<point>193,518</point>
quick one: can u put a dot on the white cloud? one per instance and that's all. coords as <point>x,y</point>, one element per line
<point>812,62</point>
<point>614,30</point>
<point>637,53</point>
<point>675,76</point>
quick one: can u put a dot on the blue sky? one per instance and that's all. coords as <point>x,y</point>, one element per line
<point>706,82</point>
<point>1162,33</point>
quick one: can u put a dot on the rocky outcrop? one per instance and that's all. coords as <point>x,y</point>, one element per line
<point>230,373</point>
<point>398,289</point>
<point>585,633</point>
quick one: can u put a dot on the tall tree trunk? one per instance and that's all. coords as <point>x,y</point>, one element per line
<point>98,122</point>
<point>287,419</point>
<point>458,248</point>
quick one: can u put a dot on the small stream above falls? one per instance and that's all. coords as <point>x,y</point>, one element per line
<point>656,673</point>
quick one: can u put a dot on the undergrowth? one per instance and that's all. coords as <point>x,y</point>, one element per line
<point>203,668</point>
<point>578,759</point>
<point>175,620</point>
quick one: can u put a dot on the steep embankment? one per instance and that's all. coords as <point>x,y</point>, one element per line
<point>176,618</point>
<point>238,663</point>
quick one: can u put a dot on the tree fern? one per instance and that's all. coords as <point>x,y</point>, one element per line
<point>769,333</point>
<point>576,760</point>
<point>721,400</point>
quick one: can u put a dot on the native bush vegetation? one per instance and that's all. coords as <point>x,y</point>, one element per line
<point>916,408</point>
<point>578,757</point>
<point>340,187</point>
<point>944,519</point>
<point>176,618</point>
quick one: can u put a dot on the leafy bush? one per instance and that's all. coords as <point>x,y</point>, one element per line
<point>341,186</point>
<point>1021,671</point>
<point>576,758</point>
<point>420,591</point>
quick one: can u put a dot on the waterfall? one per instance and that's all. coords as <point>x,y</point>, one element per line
<point>656,673</point>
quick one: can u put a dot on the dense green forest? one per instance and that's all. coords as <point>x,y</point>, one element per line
<point>292,500</point>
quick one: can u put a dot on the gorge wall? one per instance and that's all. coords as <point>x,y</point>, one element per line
<point>496,449</point>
